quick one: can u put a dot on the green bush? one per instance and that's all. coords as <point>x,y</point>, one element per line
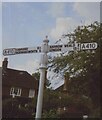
<point>50,114</point>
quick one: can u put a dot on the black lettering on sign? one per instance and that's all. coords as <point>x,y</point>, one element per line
<point>22,49</point>
<point>55,46</point>
<point>82,46</point>
<point>93,45</point>
<point>54,50</point>
<point>65,45</point>
<point>88,46</point>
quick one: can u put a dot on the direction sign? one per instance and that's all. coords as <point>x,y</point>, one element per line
<point>51,48</point>
<point>62,48</point>
<point>55,48</point>
<point>86,46</point>
<point>13,51</point>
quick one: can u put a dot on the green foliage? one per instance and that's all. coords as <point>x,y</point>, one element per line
<point>36,75</point>
<point>12,108</point>
<point>50,114</point>
<point>82,67</point>
<point>95,113</point>
<point>75,103</point>
<point>51,99</point>
<point>75,61</point>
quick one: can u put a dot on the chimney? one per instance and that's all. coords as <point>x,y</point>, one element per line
<point>66,80</point>
<point>5,63</point>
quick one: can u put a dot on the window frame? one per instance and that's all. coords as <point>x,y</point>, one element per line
<point>31,93</point>
<point>13,90</point>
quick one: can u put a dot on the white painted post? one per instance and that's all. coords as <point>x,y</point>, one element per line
<point>40,94</point>
<point>43,67</point>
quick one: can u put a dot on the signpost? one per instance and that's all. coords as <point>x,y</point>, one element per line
<point>44,49</point>
<point>87,46</point>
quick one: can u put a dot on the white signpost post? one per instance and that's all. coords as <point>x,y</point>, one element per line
<point>44,49</point>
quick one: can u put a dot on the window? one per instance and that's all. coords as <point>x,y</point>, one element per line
<point>31,93</point>
<point>15,91</point>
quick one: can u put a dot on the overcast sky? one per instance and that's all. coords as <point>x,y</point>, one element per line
<point>25,24</point>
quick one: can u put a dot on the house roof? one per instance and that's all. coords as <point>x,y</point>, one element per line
<point>18,78</point>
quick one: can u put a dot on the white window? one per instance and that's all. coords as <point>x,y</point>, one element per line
<point>15,91</point>
<point>31,93</point>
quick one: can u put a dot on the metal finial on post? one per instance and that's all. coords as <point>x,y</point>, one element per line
<point>46,39</point>
<point>46,36</point>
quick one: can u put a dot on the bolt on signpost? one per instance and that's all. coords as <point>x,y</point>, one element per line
<point>44,49</point>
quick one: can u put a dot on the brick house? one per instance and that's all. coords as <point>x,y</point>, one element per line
<point>17,83</point>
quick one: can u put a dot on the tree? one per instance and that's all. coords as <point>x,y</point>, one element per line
<point>83,67</point>
<point>36,75</point>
